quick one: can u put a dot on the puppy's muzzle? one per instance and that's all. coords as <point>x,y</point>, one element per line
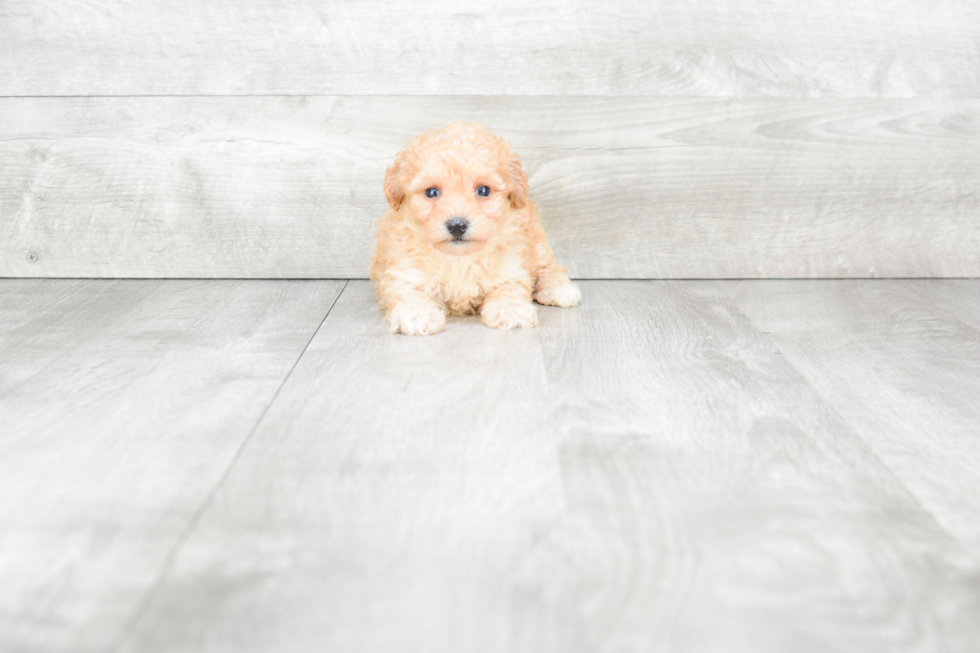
<point>457,227</point>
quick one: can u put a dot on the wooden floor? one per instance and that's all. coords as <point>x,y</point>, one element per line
<point>703,466</point>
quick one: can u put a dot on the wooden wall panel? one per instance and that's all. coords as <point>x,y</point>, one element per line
<point>716,48</point>
<point>290,187</point>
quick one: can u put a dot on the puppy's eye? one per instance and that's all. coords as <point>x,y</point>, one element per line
<point>432,193</point>
<point>483,191</point>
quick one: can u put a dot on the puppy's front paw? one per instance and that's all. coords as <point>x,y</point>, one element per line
<point>416,319</point>
<point>509,315</point>
<point>565,295</point>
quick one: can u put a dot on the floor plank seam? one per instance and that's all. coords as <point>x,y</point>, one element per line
<point>871,450</point>
<point>127,630</point>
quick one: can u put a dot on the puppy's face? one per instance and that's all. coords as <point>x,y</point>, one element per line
<point>458,185</point>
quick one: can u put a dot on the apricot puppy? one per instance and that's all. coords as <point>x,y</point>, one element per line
<point>462,237</point>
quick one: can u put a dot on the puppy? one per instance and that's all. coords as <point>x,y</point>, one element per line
<point>462,237</point>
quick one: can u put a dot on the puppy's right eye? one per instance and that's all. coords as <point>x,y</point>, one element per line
<point>432,193</point>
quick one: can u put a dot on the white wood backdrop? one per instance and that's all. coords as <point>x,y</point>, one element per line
<point>668,140</point>
<point>714,48</point>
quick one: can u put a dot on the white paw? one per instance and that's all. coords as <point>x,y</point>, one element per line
<point>416,319</point>
<point>509,315</point>
<point>565,295</point>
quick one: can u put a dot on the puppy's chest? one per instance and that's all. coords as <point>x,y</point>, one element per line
<point>463,295</point>
<point>462,286</point>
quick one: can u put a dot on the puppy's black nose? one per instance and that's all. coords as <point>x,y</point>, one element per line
<point>457,227</point>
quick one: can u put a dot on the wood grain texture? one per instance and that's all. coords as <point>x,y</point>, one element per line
<point>628,187</point>
<point>900,361</point>
<point>716,502</point>
<point>122,404</point>
<point>835,48</point>
<point>645,472</point>
<point>397,483</point>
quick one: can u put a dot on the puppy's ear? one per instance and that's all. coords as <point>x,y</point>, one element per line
<point>518,195</point>
<point>394,192</point>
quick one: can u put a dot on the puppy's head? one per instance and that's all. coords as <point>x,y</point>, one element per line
<point>459,184</point>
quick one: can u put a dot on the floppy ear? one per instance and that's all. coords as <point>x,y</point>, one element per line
<point>393,188</point>
<point>518,195</point>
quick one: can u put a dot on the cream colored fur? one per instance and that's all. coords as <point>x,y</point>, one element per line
<point>503,259</point>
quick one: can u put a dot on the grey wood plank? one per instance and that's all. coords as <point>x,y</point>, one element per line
<point>725,505</point>
<point>900,361</point>
<point>628,187</point>
<point>396,470</point>
<point>122,404</point>
<point>645,472</point>
<point>817,48</point>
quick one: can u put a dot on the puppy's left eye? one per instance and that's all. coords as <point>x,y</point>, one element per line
<point>483,191</point>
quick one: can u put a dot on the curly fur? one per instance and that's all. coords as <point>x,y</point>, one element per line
<point>421,272</point>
